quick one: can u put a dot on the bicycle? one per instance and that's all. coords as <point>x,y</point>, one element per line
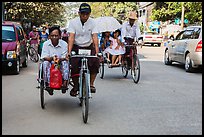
<point>33,54</point>
<point>84,83</point>
<point>131,61</point>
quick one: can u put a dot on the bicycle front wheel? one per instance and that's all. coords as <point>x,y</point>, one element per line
<point>33,54</point>
<point>85,96</point>
<point>135,69</point>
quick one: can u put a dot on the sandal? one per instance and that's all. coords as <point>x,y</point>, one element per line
<point>110,65</point>
<point>73,92</point>
<point>93,89</point>
<point>49,90</point>
<point>64,89</point>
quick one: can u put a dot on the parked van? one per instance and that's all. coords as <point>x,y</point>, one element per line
<point>14,50</point>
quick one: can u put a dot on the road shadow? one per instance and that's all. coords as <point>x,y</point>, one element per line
<point>182,67</point>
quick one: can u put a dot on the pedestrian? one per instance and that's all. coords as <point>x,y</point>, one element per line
<point>83,34</point>
<point>65,35</point>
<point>43,37</point>
<point>34,38</point>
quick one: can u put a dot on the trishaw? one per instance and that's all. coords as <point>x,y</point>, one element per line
<point>84,93</point>
<point>130,61</point>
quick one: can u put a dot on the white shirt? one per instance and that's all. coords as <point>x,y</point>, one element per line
<point>131,32</point>
<point>49,50</point>
<point>83,34</point>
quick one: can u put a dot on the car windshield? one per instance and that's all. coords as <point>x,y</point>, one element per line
<point>8,34</point>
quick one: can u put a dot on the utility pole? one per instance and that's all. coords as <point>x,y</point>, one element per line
<point>182,15</point>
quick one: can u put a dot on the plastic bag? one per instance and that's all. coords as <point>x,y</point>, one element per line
<point>55,77</point>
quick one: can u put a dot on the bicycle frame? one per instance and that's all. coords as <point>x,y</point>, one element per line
<point>133,50</point>
<point>84,85</point>
<point>84,70</point>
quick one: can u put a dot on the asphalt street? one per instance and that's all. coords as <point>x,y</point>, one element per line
<point>166,101</point>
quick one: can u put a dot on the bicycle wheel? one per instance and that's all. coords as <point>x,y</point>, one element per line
<point>42,94</point>
<point>135,69</point>
<point>41,87</point>
<point>125,68</point>
<point>85,97</point>
<point>33,54</point>
<point>101,69</point>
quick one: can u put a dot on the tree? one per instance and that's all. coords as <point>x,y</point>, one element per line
<point>164,11</point>
<point>36,12</point>
<point>118,10</point>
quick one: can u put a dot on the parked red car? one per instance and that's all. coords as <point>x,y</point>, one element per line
<point>14,50</point>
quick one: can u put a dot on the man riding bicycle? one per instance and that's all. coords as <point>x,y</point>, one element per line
<point>83,35</point>
<point>34,38</point>
<point>130,31</point>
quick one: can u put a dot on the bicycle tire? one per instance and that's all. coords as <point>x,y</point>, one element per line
<point>85,97</point>
<point>135,69</point>
<point>42,98</point>
<point>101,69</point>
<point>33,54</point>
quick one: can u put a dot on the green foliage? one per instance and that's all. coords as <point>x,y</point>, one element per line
<point>58,12</point>
<point>36,12</point>
<point>118,10</point>
<point>164,11</point>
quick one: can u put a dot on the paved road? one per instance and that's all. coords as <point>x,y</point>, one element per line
<point>166,101</point>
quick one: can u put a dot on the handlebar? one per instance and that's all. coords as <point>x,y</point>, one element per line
<point>83,55</point>
<point>73,55</point>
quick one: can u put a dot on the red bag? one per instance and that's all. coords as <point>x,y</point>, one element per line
<point>55,77</point>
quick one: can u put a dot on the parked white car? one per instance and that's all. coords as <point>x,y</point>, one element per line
<point>152,37</point>
<point>186,48</point>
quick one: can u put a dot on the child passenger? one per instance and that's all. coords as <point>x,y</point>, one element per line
<point>116,48</point>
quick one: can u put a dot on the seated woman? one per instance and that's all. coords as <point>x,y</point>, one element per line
<point>116,48</point>
<point>53,48</point>
<point>105,42</point>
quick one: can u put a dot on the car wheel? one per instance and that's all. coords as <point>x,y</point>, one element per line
<point>17,67</point>
<point>188,63</point>
<point>25,63</point>
<point>167,61</point>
